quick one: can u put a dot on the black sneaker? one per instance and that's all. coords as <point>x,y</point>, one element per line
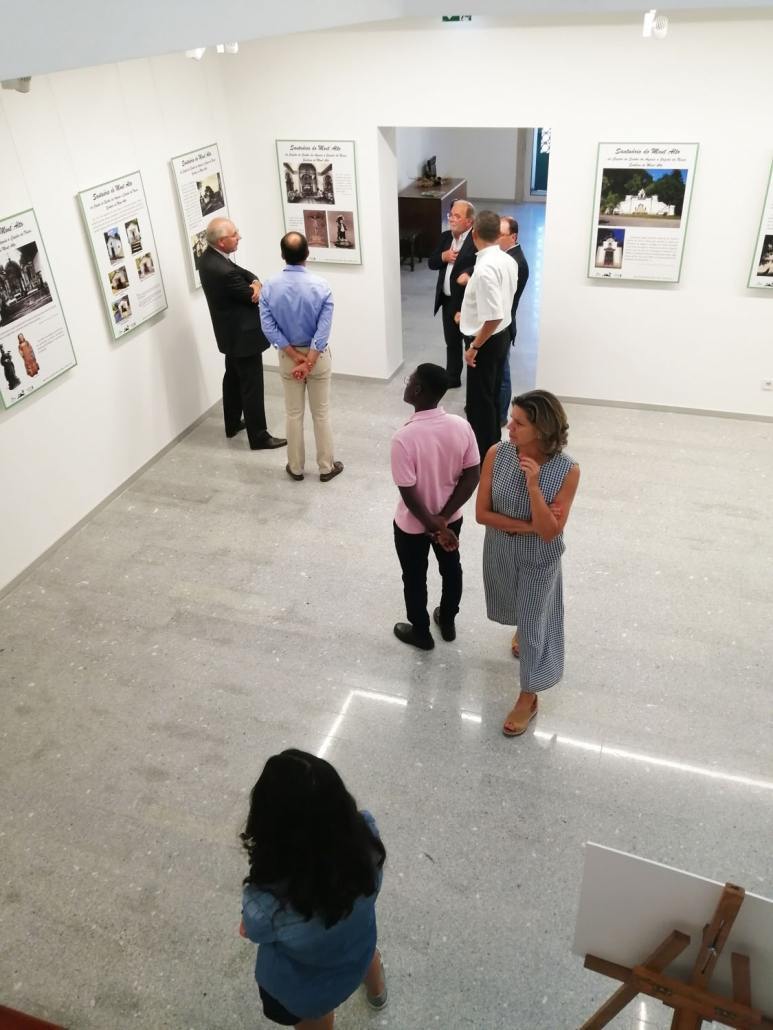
<point>447,629</point>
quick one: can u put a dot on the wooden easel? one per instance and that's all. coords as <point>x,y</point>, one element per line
<point>692,1001</point>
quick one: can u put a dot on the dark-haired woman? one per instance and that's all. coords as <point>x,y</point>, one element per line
<point>309,900</point>
<point>527,486</point>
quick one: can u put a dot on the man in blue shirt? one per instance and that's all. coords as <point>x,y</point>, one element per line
<point>296,312</point>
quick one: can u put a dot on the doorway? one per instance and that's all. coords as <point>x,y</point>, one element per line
<point>500,169</point>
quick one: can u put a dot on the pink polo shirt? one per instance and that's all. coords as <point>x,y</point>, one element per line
<point>430,452</point>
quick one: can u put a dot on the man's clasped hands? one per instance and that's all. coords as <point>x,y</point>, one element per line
<point>303,364</point>
<point>441,534</point>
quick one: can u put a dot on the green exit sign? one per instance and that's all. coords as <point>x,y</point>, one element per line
<point>457,17</point>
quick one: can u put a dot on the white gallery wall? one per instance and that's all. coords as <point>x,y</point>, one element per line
<point>69,445</point>
<point>705,343</point>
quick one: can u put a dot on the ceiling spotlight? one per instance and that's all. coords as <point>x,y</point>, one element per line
<point>654,25</point>
<point>197,53</point>
<point>21,85</point>
<point>232,48</point>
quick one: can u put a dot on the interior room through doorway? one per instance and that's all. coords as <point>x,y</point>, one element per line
<point>502,169</point>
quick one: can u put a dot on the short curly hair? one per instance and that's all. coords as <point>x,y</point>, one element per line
<point>546,413</point>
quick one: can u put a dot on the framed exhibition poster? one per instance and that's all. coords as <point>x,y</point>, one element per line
<point>318,183</point>
<point>35,345</point>
<point>640,207</point>
<point>761,275</point>
<point>201,192</point>
<point>124,249</point>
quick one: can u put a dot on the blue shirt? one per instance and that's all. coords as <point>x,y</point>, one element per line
<point>296,308</point>
<point>307,967</point>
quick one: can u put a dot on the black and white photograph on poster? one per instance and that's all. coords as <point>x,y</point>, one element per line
<point>315,228</point>
<point>119,280</point>
<point>118,222</point>
<point>765,267</point>
<point>201,194</point>
<point>643,190</point>
<point>318,188</point>
<point>609,248</point>
<point>198,246</point>
<point>145,266</point>
<point>340,227</point>
<point>309,182</point>
<point>210,195</point>
<point>761,274</point>
<point>23,288</point>
<point>114,244</point>
<point>35,345</point>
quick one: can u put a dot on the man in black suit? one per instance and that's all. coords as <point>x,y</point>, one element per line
<point>232,295</point>
<point>508,241</point>
<point>454,256</point>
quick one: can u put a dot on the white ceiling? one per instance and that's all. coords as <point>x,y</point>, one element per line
<point>39,36</point>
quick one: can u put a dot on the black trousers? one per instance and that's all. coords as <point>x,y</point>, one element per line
<point>413,552</point>
<point>243,395</point>
<point>483,385</point>
<point>454,343</point>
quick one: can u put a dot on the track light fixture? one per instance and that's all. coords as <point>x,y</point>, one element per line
<point>21,85</point>
<point>654,25</point>
<point>222,48</point>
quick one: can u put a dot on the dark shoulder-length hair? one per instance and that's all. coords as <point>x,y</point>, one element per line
<point>546,413</point>
<point>307,843</point>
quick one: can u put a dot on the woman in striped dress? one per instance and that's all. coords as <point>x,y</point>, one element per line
<point>526,490</point>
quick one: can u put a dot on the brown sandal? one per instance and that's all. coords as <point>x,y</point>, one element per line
<point>514,725</point>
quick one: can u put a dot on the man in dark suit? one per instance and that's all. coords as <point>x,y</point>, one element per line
<point>232,295</point>
<point>508,241</point>
<point>453,257</point>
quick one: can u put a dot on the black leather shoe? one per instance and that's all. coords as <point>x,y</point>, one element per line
<point>336,470</point>
<point>454,384</point>
<point>268,443</point>
<point>447,629</point>
<point>297,476</point>
<point>230,433</point>
<point>404,631</point>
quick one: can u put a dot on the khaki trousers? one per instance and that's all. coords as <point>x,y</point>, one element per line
<point>317,387</point>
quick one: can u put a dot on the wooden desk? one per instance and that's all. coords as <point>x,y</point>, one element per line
<point>425,211</point>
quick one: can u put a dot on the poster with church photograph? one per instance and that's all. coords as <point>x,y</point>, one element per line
<point>761,274</point>
<point>201,193</point>
<point>35,345</point>
<point>318,184</point>
<point>124,250</point>
<point>640,207</point>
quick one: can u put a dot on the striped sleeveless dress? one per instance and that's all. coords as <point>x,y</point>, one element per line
<point>522,574</point>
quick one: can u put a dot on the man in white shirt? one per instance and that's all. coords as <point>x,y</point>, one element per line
<point>485,324</point>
